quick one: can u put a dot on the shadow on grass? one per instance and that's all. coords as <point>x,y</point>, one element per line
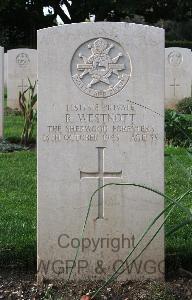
<point>24,258</point>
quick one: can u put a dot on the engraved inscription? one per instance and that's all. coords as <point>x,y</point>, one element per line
<point>98,123</point>
<point>22,59</point>
<point>101,68</point>
<point>175,58</point>
<point>101,174</point>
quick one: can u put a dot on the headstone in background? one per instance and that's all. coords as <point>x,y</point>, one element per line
<point>21,65</point>
<point>100,120</point>
<point>178,75</point>
<point>1,91</point>
<point>5,70</point>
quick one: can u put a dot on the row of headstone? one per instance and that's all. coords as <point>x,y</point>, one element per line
<point>100,119</point>
<point>17,67</point>
<point>21,67</point>
<point>21,64</point>
<point>178,75</point>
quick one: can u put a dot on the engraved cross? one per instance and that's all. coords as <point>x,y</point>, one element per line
<point>175,85</point>
<point>101,174</point>
<point>22,86</point>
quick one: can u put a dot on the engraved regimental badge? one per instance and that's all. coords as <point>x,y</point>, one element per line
<point>175,58</point>
<point>101,68</point>
<point>22,59</point>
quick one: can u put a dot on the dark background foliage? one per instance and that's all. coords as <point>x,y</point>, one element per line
<point>20,19</point>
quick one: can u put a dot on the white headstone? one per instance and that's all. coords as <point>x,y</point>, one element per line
<point>100,120</point>
<point>5,70</point>
<point>1,91</point>
<point>21,66</point>
<point>178,75</point>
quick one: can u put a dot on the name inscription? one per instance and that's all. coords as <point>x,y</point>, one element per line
<point>100,123</point>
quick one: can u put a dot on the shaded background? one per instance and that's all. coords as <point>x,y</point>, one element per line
<point>20,19</point>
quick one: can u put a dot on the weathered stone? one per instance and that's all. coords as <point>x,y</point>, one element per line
<point>21,66</point>
<point>100,120</point>
<point>178,75</point>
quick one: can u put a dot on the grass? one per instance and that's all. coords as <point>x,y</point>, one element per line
<point>178,179</point>
<point>18,208</point>
<point>17,199</point>
<point>13,128</point>
<point>18,202</point>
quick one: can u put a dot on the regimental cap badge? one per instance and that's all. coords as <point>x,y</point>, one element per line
<point>99,46</point>
<point>22,59</point>
<point>175,58</point>
<point>103,72</point>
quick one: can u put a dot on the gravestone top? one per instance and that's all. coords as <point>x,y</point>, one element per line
<point>178,75</point>
<point>21,66</point>
<point>100,120</point>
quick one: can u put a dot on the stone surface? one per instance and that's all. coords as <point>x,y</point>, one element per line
<point>5,70</point>
<point>100,120</point>
<point>178,75</point>
<point>21,65</point>
<point>1,91</point>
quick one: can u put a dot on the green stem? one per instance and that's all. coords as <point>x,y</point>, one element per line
<point>89,207</point>
<point>112,278</point>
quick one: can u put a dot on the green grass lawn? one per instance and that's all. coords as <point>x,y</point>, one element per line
<point>13,128</point>
<point>178,179</point>
<point>18,202</point>
<point>17,199</point>
<point>17,207</point>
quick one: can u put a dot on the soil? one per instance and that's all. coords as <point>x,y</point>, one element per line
<point>16,285</point>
